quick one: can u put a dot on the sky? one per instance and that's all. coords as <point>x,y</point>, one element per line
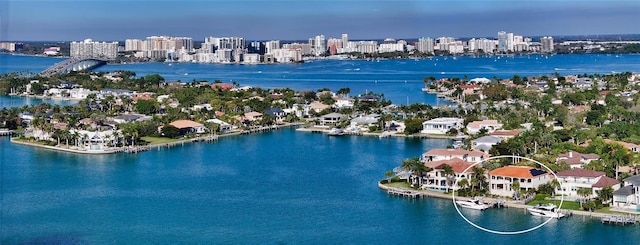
<point>117,20</point>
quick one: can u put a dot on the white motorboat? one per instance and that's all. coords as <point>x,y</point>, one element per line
<point>473,204</point>
<point>336,132</point>
<point>550,211</point>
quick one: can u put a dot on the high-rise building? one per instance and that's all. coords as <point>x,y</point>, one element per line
<point>318,45</point>
<point>88,49</point>
<point>272,45</point>
<point>345,40</point>
<point>134,45</point>
<point>425,45</point>
<point>502,41</point>
<point>547,44</point>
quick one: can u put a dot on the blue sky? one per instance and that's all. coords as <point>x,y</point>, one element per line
<point>294,20</point>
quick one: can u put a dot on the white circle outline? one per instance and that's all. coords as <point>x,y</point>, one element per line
<point>453,195</point>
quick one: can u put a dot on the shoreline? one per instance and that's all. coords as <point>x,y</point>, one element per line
<point>380,135</point>
<point>506,203</point>
<point>141,148</point>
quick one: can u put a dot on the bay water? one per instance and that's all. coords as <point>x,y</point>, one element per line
<point>281,186</point>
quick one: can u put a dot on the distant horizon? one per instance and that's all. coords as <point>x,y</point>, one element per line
<point>350,39</point>
<point>75,20</point>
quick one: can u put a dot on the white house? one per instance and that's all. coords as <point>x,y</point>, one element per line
<point>97,140</point>
<point>575,159</point>
<point>332,118</point>
<point>628,196</point>
<point>632,147</point>
<point>80,93</point>
<point>489,125</point>
<point>364,122</point>
<point>485,143</point>
<point>501,179</point>
<point>436,179</point>
<point>441,125</point>
<point>343,103</point>
<point>574,179</point>
<point>448,154</point>
<point>224,126</point>
<point>300,110</point>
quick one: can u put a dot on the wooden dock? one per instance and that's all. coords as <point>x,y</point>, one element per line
<point>620,219</point>
<point>404,193</point>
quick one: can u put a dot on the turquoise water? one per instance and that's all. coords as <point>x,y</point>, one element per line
<point>398,80</point>
<point>275,187</point>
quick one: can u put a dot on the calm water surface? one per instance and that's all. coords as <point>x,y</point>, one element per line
<point>275,187</point>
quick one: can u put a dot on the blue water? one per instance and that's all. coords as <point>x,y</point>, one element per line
<point>276,187</point>
<point>398,80</point>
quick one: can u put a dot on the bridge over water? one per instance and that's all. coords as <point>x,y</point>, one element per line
<point>73,64</point>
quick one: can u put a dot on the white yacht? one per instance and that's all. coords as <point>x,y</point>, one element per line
<point>473,204</point>
<point>336,132</point>
<point>549,210</point>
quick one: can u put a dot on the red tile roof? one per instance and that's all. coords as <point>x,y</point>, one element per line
<point>518,172</point>
<point>222,86</point>
<point>458,165</point>
<point>578,172</point>
<point>606,181</point>
<point>506,132</point>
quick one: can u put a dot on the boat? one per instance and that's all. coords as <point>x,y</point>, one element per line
<point>336,132</point>
<point>473,204</point>
<point>550,210</point>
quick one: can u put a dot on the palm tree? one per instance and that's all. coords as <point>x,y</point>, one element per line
<point>584,192</point>
<point>463,183</point>
<point>448,173</point>
<point>556,185</point>
<point>416,168</point>
<point>515,186</point>
<point>605,194</point>
<point>479,179</point>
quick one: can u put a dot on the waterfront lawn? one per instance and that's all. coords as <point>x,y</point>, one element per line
<point>401,184</point>
<point>159,140</point>
<point>565,205</point>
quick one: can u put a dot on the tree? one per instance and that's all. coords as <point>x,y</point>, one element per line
<point>515,186</point>
<point>412,125</point>
<point>147,107</point>
<point>416,168</point>
<point>170,131</point>
<point>448,173</point>
<point>584,192</point>
<point>605,194</point>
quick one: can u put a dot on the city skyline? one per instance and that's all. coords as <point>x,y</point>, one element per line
<point>295,20</point>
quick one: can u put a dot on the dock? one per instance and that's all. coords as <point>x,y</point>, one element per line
<point>404,193</point>
<point>620,219</point>
<point>5,132</point>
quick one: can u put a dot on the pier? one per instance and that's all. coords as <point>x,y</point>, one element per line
<point>404,193</point>
<point>620,219</point>
<point>5,132</point>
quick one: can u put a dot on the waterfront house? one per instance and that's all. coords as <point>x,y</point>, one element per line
<point>364,122</point>
<point>222,86</point>
<point>97,140</point>
<point>188,126</point>
<point>628,196</point>
<point>501,179</point>
<point>485,143</point>
<point>436,179</point>
<point>224,127</point>
<point>441,125</point>
<point>489,125</point>
<point>332,118</point>
<point>575,159</point>
<point>80,93</point>
<point>448,154</point>
<point>343,103</point>
<point>469,89</point>
<point>277,113</point>
<point>573,179</point>
<point>300,110</point>
<point>506,134</point>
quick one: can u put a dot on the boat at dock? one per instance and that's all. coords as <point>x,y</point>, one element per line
<point>336,132</point>
<point>549,210</point>
<point>473,204</point>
